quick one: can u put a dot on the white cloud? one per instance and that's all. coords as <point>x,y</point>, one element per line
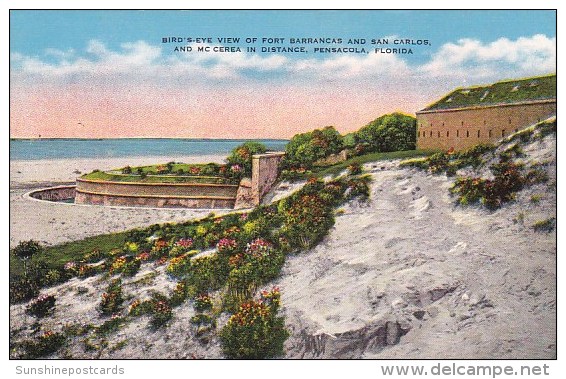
<point>466,59</point>
<point>352,66</point>
<point>503,57</point>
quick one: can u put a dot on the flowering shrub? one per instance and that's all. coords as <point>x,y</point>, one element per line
<point>132,267</point>
<point>203,302</point>
<point>161,311</point>
<point>178,266</point>
<point>86,270</point>
<point>93,256</point>
<point>307,218</point>
<point>42,306</point>
<point>469,190</point>
<point>111,325</point>
<point>255,331</point>
<point>161,261</point>
<point>71,268</point>
<point>47,343</point>
<point>111,299</point>
<point>259,264</point>
<point>159,249</point>
<point>355,169</point>
<point>144,256</point>
<point>184,243</point>
<point>118,264</point>
<point>207,273</point>
<point>226,245</point>
<point>23,289</point>
<point>179,294</point>
<point>54,276</point>
<point>491,193</point>
<point>438,162</point>
<point>131,247</point>
<point>138,308</point>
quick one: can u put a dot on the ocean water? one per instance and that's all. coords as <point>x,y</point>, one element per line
<point>28,149</point>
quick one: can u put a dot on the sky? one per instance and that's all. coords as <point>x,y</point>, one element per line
<point>105,74</point>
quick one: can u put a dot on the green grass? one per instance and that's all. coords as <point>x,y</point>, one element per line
<point>58,255</point>
<point>100,175</point>
<point>510,91</point>
<point>153,169</point>
<point>372,157</point>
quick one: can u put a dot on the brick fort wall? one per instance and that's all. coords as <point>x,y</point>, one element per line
<point>464,128</point>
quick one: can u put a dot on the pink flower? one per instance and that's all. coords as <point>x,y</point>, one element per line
<point>185,242</point>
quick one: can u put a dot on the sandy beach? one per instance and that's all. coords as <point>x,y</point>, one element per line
<point>53,223</point>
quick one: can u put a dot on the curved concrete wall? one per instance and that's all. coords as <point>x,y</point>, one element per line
<point>54,194</point>
<point>185,195</point>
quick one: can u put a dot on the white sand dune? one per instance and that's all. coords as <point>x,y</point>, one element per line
<point>407,275</point>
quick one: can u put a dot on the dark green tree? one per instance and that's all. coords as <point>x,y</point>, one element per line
<point>25,250</point>
<point>392,132</point>
<point>306,148</point>
<point>241,156</point>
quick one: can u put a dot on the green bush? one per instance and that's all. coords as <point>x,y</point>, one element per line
<point>42,306</point>
<point>203,302</point>
<point>161,312</point>
<point>131,268</point>
<point>492,193</point>
<point>207,273</point>
<point>112,299</point>
<point>23,289</point>
<point>241,157</point>
<point>303,150</point>
<point>255,331</point>
<point>25,250</point>
<point>392,132</point>
<point>39,347</point>
<point>111,325</point>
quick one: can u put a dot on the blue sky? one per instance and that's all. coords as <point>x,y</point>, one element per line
<point>110,68</point>
<point>33,31</point>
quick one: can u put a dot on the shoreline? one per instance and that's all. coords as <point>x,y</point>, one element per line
<point>53,223</point>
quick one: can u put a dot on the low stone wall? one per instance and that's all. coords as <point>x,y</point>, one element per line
<point>54,194</point>
<point>185,195</point>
